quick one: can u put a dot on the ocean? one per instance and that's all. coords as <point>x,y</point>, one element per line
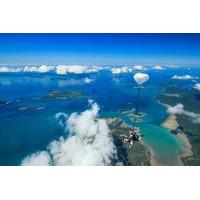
<point>28,118</point>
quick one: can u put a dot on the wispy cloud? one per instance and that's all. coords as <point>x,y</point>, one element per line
<point>179,109</point>
<point>184,77</point>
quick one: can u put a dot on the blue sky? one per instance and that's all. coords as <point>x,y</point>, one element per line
<point>99,49</point>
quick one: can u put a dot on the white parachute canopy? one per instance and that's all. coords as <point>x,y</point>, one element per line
<point>141,78</point>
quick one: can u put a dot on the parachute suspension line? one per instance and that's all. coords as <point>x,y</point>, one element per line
<point>140,79</point>
<point>137,100</point>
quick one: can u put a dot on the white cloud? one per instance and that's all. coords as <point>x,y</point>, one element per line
<point>37,159</point>
<point>45,68</point>
<point>89,143</point>
<point>9,69</point>
<point>197,86</point>
<point>157,67</point>
<point>90,101</point>
<point>95,69</point>
<point>138,67</point>
<point>60,69</point>
<point>30,69</point>
<point>88,80</point>
<point>179,109</point>
<point>126,69</point>
<point>76,69</point>
<point>39,69</point>
<point>184,77</point>
<point>61,118</point>
<point>118,70</point>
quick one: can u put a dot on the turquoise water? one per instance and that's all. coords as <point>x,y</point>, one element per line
<point>25,132</point>
<point>165,145</point>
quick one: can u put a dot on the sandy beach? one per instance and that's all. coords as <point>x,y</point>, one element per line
<point>171,124</point>
<point>153,160</point>
<point>187,148</point>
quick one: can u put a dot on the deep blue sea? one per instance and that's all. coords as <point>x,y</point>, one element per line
<point>28,131</point>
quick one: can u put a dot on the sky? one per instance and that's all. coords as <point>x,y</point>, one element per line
<point>99,49</point>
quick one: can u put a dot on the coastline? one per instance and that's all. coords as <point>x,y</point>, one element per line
<point>187,148</point>
<point>153,161</point>
<point>150,154</point>
<point>171,123</point>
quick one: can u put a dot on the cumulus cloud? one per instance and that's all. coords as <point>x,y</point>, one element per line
<point>89,143</point>
<point>39,69</point>
<point>184,77</point>
<point>119,70</point>
<point>60,69</point>
<point>197,86</point>
<point>76,69</point>
<point>126,69</point>
<point>157,67</point>
<point>138,67</point>
<point>73,69</point>
<point>30,69</point>
<point>45,68</point>
<point>88,80</point>
<point>38,159</point>
<point>179,109</point>
<point>9,69</point>
<point>64,69</point>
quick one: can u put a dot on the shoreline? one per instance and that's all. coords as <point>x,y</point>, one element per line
<point>171,123</point>
<point>152,157</point>
<point>153,161</point>
<point>187,148</point>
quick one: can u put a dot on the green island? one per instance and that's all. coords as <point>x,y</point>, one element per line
<point>5,102</point>
<point>136,156</point>
<point>191,101</point>
<point>61,94</point>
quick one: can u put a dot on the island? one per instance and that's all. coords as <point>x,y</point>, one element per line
<point>5,102</point>
<point>63,94</point>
